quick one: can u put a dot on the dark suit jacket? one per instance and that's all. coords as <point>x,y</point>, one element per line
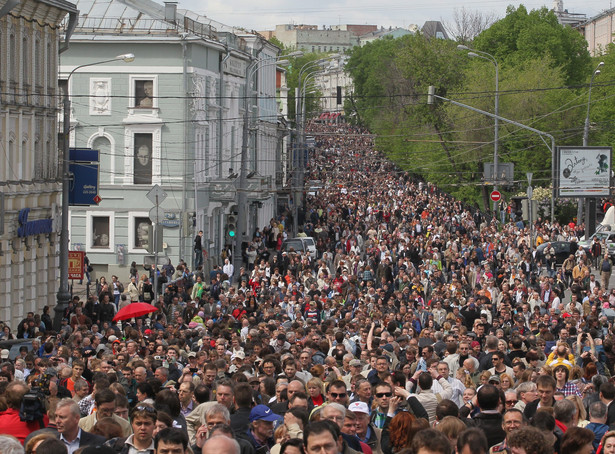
<point>530,409</point>
<point>88,439</point>
<point>491,425</point>
<point>610,418</point>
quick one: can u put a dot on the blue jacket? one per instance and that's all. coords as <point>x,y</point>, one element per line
<point>599,430</point>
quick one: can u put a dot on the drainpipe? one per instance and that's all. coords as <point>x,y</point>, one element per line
<point>73,19</point>
<point>221,92</point>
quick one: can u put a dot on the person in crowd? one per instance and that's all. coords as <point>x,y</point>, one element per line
<point>69,432</point>
<point>415,310</point>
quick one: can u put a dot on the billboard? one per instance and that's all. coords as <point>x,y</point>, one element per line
<point>583,171</point>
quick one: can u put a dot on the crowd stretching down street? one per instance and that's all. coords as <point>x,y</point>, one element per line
<point>419,326</point>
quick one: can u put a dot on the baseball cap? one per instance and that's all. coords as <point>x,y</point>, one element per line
<point>355,363</point>
<point>112,338</point>
<point>148,332</point>
<point>494,378</point>
<point>359,407</point>
<point>4,354</point>
<point>192,355</point>
<point>238,355</point>
<point>263,413</point>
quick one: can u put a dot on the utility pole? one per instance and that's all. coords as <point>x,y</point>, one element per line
<point>590,202</point>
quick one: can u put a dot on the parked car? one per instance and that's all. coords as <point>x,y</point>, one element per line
<point>300,244</point>
<point>605,237</point>
<point>563,250</point>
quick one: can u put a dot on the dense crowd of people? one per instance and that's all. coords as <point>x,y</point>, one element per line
<point>419,325</point>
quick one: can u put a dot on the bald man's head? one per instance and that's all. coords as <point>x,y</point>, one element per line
<point>468,364</point>
<point>295,386</point>
<point>220,444</point>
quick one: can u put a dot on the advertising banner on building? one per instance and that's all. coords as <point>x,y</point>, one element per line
<point>583,171</point>
<point>84,184</point>
<point>75,264</point>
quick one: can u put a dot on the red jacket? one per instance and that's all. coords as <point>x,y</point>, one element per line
<point>11,424</point>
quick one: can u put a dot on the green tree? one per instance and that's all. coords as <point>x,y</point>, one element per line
<point>602,108</point>
<point>522,36</point>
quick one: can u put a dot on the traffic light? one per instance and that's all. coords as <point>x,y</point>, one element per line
<point>231,225</point>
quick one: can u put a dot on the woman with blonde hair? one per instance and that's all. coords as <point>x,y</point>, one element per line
<point>451,426</point>
<point>464,377</point>
<point>506,382</point>
<point>484,377</point>
<point>315,391</point>
<point>140,286</point>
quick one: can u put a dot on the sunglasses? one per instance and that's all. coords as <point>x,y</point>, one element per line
<point>511,402</point>
<point>145,408</point>
<point>384,394</point>
<point>338,395</point>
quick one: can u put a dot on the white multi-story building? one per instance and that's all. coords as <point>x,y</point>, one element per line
<point>191,71</point>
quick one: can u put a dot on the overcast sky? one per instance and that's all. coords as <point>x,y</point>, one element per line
<point>265,14</point>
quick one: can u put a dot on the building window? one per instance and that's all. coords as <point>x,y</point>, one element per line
<point>37,62</point>
<point>101,232</point>
<point>141,232</point>
<point>12,58</point>
<point>38,155</point>
<point>25,60</point>
<point>144,93</point>
<point>142,158</point>
<point>51,70</point>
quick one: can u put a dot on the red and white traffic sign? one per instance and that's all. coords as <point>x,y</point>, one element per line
<point>496,196</point>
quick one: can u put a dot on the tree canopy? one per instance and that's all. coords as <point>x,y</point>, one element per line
<point>543,71</point>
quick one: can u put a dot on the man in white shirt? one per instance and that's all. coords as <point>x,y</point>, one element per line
<point>455,383</point>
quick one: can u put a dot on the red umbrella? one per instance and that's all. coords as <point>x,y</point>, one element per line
<point>134,310</point>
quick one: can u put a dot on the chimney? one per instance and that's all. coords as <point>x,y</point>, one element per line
<point>170,12</point>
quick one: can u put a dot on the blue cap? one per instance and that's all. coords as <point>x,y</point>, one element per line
<point>263,413</point>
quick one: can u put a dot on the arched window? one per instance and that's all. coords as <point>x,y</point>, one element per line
<point>12,174</point>
<point>38,156</point>
<point>20,165</point>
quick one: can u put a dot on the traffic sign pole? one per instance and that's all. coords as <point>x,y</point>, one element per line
<point>156,195</point>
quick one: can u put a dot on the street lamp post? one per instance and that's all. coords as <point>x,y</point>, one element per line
<point>487,56</point>
<point>590,203</point>
<point>242,196</point>
<point>63,295</point>
<point>299,148</point>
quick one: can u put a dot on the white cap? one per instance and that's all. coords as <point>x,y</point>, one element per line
<point>359,407</point>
